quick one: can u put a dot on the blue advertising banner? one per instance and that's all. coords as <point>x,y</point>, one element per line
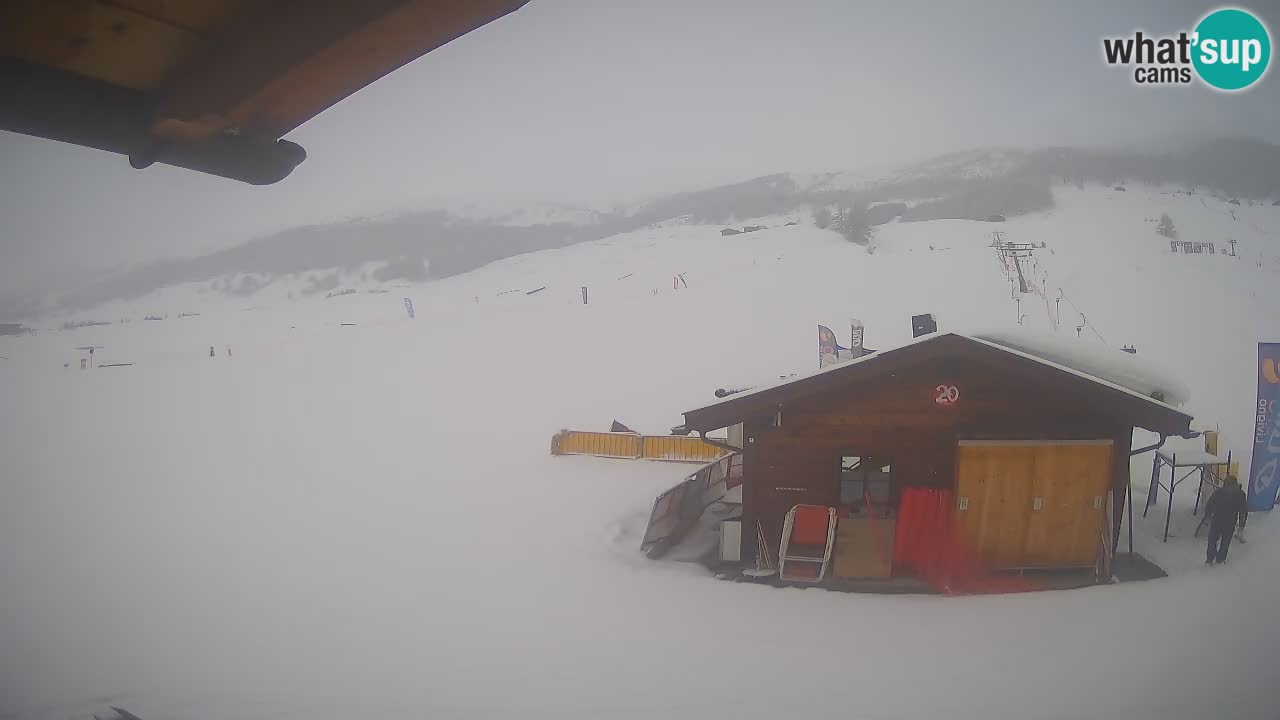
<point>1264,478</point>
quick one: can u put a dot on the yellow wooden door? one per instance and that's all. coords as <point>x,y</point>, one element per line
<point>1071,481</point>
<point>1032,504</point>
<point>992,489</point>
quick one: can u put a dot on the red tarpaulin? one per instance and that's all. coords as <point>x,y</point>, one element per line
<point>928,544</point>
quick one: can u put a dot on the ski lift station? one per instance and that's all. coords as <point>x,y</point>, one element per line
<point>953,463</point>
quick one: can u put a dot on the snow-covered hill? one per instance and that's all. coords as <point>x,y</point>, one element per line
<point>350,512</point>
<point>463,233</point>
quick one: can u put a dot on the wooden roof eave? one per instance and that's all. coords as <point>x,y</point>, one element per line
<point>212,86</point>
<point>279,65</point>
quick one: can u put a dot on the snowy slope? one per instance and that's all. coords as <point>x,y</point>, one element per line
<point>967,165</point>
<point>540,213</point>
<point>363,520</point>
<point>239,291</point>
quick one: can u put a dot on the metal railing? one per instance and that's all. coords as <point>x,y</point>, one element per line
<point>677,510</point>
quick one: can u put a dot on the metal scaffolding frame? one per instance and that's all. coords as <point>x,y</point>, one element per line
<point>1207,465</point>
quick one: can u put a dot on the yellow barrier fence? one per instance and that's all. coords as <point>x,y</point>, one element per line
<point>602,444</point>
<point>676,448</point>
<point>680,448</point>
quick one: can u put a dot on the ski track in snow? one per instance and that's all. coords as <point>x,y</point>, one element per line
<point>364,520</point>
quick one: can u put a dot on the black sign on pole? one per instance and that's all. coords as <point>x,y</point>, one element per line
<point>923,325</point>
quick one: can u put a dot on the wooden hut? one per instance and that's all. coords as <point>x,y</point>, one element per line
<point>1033,454</point>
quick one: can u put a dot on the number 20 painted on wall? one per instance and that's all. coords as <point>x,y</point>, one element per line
<point>946,395</point>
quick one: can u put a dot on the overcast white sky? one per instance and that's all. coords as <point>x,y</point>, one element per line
<point>601,100</point>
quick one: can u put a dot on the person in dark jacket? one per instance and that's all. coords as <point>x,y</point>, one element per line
<point>1225,510</point>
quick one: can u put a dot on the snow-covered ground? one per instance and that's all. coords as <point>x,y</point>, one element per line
<point>364,520</point>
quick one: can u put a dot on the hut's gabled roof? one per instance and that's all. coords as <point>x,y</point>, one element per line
<point>1144,411</point>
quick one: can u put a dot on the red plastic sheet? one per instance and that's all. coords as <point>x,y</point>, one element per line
<point>927,543</point>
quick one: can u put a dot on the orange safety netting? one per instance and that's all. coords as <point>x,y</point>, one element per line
<point>928,544</point>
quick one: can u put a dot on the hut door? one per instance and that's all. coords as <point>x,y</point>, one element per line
<point>993,496</point>
<point>1071,481</point>
<point>1033,504</point>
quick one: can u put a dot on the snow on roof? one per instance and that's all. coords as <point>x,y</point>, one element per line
<point>1106,363</point>
<point>1076,371</point>
<point>1190,451</point>
<point>814,373</point>
<point>1088,357</point>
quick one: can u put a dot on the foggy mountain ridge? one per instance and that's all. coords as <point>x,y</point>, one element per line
<point>435,244</point>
